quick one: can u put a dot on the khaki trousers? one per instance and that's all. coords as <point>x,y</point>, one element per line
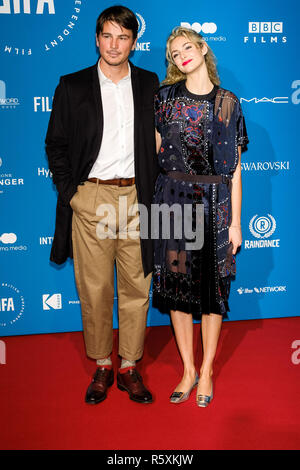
<point>102,237</point>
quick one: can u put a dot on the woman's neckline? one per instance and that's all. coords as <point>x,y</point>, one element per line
<point>206,96</point>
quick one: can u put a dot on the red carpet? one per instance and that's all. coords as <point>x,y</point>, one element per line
<point>256,394</point>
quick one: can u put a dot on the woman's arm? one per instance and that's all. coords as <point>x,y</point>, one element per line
<point>158,140</point>
<point>235,231</point>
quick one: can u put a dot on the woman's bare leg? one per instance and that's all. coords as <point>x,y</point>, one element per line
<point>210,328</point>
<point>183,327</point>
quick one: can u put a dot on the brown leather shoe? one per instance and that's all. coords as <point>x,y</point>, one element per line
<point>132,382</point>
<point>96,392</point>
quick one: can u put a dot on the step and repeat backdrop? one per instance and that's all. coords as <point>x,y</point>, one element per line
<point>257,48</point>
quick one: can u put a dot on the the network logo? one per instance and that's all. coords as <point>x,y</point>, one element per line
<point>52,302</point>
<point>7,103</point>
<point>262,290</point>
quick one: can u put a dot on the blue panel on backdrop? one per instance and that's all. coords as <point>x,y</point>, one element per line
<point>257,59</point>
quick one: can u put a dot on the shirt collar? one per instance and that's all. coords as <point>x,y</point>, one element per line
<point>104,80</point>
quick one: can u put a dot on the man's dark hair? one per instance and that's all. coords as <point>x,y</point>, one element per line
<point>120,15</point>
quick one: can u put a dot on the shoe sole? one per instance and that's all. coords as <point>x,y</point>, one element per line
<point>123,389</point>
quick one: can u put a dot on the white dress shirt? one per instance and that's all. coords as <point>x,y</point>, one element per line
<point>116,156</point>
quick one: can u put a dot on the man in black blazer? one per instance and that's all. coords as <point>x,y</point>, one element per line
<point>101,149</point>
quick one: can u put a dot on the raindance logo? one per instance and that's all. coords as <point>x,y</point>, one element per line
<point>262,228</point>
<point>7,103</point>
<point>265,32</point>
<point>141,46</point>
<point>11,304</point>
<point>53,20</point>
<point>205,29</point>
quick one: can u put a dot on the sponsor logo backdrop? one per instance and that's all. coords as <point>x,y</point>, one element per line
<point>257,51</point>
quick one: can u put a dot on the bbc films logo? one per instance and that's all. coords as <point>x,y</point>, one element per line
<point>5,101</point>
<point>12,304</point>
<point>52,302</point>
<point>262,228</point>
<point>54,20</point>
<point>141,46</point>
<point>265,32</point>
<point>207,30</point>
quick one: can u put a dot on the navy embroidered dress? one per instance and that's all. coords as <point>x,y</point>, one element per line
<point>200,136</point>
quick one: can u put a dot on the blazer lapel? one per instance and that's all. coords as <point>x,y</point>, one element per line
<point>136,91</point>
<point>98,103</point>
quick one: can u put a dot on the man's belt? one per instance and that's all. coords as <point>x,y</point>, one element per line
<point>116,181</point>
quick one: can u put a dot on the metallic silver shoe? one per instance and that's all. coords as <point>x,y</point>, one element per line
<point>180,397</point>
<point>204,400</point>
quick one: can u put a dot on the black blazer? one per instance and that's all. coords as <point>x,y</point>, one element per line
<point>73,142</point>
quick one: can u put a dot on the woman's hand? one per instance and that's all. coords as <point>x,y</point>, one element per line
<point>235,237</point>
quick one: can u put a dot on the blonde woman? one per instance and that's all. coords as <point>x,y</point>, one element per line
<point>200,133</point>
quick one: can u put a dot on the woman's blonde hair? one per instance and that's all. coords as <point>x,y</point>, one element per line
<point>173,73</point>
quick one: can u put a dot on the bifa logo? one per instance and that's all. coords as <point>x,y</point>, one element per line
<point>262,227</point>
<point>2,352</point>
<point>52,302</point>
<point>7,103</point>
<point>52,21</point>
<point>27,6</point>
<point>141,46</point>
<point>11,304</point>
